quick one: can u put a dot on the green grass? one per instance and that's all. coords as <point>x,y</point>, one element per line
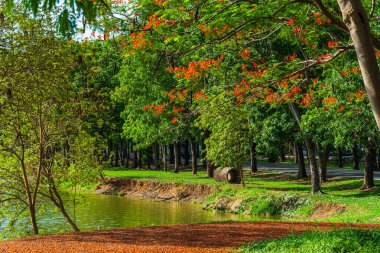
<point>363,241</point>
<point>347,164</point>
<point>274,193</point>
<point>162,176</point>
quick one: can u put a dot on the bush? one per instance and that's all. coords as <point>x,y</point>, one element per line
<point>273,205</point>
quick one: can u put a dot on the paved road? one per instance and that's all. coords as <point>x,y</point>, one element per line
<point>290,168</point>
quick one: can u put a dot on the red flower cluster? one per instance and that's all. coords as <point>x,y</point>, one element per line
<point>156,108</point>
<point>284,84</point>
<point>178,109</point>
<point>333,44</point>
<point>348,71</point>
<point>323,57</point>
<point>194,69</point>
<point>245,54</point>
<point>139,41</point>
<point>174,95</point>
<point>159,2</point>
<point>330,100</point>
<point>359,94</point>
<point>307,100</point>
<point>300,32</point>
<point>271,97</point>
<point>291,57</point>
<point>216,31</point>
<point>154,22</point>
<point>241,88</point>
<point>290,94</point>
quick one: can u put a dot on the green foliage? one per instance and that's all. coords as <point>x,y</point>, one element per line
<point>346,240</point>
<point>228,143</point>
<point>43,140</point>
<point>277,205</point>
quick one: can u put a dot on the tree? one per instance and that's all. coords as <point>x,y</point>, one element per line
<point>40,114</point>
<point>227,144</point>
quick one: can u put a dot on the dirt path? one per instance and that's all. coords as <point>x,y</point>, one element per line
<point>215,237</point>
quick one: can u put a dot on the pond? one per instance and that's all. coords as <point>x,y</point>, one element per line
<point>93,212</point>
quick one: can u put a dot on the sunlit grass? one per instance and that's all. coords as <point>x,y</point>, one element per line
<point>348,240</point>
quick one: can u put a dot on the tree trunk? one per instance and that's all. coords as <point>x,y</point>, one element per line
<point>33,219</point>
<point>139,159</point>
<point>149,157</point>
<point>370,164</point>
<point>180,154</point>
<point>295,152</point>
<point>272,158</point>
<point>314,173</point>
<point>135,160</point>
<point>355,157</point>
<point>323,155</point>
<point>186,154</point>
<point>282,154</point>
<point>57,200</point>
<point>378,159</point>
<point>171,154</point>
<point>340,158</point>
<point>210,168</point>
<point>204,159</point>
<point>241,172</point>
<point>193,157</point>
<point>68,219</point>
<point>116,155</point>
<point>301,162</point>
<point>253,157</point>
<point>356,19</point>
<point>121,153</point>
<point>176,157</point>
<point>129,146</point>
<point>31,196</point>
<point>164,163</point>
<point>156,156</point>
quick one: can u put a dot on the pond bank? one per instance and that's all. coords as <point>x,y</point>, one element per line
<point>170,191</point>
<point>161,191</point>
<point>225,198</point>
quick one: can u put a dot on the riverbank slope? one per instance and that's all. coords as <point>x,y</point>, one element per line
<point>266,194</point>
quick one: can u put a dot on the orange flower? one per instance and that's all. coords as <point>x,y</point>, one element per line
<point>329,100</point>
<point>245,54</point>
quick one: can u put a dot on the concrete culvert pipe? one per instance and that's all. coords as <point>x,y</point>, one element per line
<point>227,174</point>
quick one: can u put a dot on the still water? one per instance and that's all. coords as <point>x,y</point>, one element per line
<point>93,212</point>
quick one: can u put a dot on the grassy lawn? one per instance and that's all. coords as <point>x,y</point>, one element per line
<point>273,193</point>
<point>347,165</point>
<point>363,241</point>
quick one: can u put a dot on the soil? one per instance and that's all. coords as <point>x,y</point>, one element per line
<point>326,210</point>
<point>214,237</point>
<point>160,191</point>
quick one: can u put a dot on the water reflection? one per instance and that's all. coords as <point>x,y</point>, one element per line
<point>94,212</point>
